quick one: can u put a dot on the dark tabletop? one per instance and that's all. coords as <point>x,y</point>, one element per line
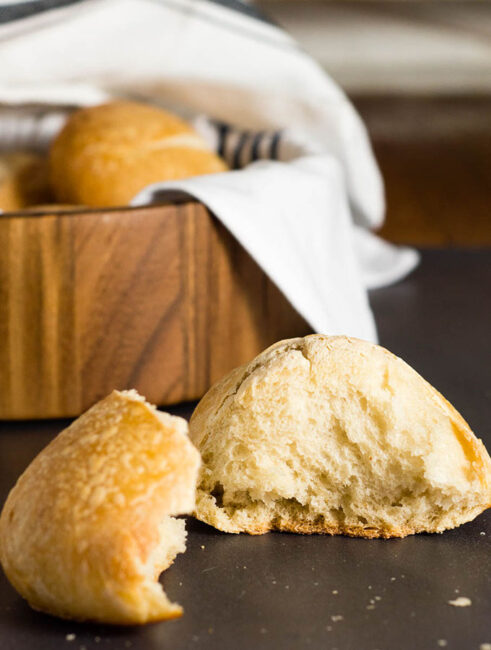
<point>282,591</point>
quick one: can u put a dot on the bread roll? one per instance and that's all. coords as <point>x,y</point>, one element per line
<point>23,181</point>
<point>335,435</point>
<point>106,154</point>
<point>89,526</point>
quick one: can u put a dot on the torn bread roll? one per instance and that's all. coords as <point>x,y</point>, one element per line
<point>106,154</point>
<point>335,435</point>
<point>90,525</point>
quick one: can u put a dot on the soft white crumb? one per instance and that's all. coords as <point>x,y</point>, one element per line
<point>482,533</point>
<point>329,628</point>
<point>461,601</point>
<point>442,643</point>
<point>202,546</point>
<point>71,637</point>
<point>392,579</point>
<point>485,646</point>
<point>378,597</point>
<point>370,606</point>
<point>336,618</point>
<point>316,584</point>
<point>334,591</point>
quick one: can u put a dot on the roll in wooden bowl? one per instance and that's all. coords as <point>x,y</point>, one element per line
<point>162,299</point>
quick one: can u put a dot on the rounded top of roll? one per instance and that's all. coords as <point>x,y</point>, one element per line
<point>106,154</point>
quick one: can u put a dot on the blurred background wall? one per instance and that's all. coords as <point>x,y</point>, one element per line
<point>420,75</point>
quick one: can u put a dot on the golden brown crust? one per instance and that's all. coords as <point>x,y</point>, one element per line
<point>106,154</point>
<point>303,528</point>
<point>80,533</point>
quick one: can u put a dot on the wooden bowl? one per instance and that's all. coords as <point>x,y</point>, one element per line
<point>162,299</point>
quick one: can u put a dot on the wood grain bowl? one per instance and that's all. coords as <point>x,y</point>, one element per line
<point>162,299</point>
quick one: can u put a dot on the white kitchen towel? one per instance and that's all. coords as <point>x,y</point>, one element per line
<point>305,217</point>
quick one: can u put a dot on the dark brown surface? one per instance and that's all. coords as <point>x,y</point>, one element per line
<point>281,591</point>
<point>162,299</point>
<point>435,156</point>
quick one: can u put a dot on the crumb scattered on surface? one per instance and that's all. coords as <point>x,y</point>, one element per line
<point>71,637</point>
<point>202,546</point>
<point>336,617</point>
<point>97,639</point>
<point>485,646</point>
<point>369,586</point>
<point>316,584</point>
<point>392,579</point>
<point>329,628</point>
<point>442,643</point>
<point>461,601</point>
<point>210,568</point>
<point>482,533</point>
<point>334,591</point>
<point>378,597</point>
<point>370,606</point>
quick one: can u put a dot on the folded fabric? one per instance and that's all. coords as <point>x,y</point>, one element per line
<point>304,217</point>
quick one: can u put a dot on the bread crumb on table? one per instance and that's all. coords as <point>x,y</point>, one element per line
<point>442,643</point>
<point>71,637</point>
<point>461,601</point>
<point>485,646</point>
<point>336,617</point>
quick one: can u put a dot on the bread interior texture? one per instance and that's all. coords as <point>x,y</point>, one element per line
<point>338,437</point>
<point>172,533</point>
